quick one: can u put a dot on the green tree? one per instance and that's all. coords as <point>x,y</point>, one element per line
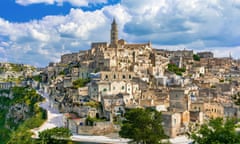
<point>217,131</point>
<point>55,136</point>
<point>37,78</point>
<point>196,57</point>
<point>143,126</point>
<point>21,135</point>
<point>174,68</point>
<point>81,82</point>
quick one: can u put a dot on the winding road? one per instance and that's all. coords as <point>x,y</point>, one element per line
<point>55,119</point>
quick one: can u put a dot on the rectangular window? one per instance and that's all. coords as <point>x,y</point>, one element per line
<point>175,122</point>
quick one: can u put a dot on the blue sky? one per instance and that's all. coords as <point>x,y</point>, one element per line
<point>39,31</point>
<point>15,11</point>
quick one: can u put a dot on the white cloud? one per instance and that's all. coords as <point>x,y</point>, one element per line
<point>77,3</point>
<point>3,57</point>
<point>183,22</point>
<point>39,36</point>
<point>27,2</point>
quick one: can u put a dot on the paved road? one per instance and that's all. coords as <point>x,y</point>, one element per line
<point>55,119</point>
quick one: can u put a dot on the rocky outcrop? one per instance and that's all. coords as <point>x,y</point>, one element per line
<point>17,113</point>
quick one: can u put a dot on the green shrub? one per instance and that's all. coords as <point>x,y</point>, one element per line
<point>196,57</point>
<point>175,69</point>
<point>37,78</point>
<point>81,82</point>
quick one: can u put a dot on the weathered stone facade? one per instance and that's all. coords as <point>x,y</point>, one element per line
<point>124,75</point>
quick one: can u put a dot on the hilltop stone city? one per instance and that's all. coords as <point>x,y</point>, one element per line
<point>93,88</point>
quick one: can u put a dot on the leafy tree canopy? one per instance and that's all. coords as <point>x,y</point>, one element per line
<point>58,135</point>
<point>217,131</point>
<point>143,126</point>
<point>81,82</point>
<point>196,57</point>
<point>37,78</point>
<point>174,68</point>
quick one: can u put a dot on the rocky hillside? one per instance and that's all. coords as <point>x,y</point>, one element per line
<point>15,72</point>
<point>19,112</point>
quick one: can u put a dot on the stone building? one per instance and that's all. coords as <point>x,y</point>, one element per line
<point>80,72</point>
<point>113,105</point>
<point>171,123</point>
<point>121,56</point>
<point>179,99</point>
<point>67,58</point>
<point>114,35</point>
<point>214,109</point>
<point>159,63</point>
<point>179,102</point>
<point>231,111</point>
<point>112,83</point>
<point>118,55</point>
<point>196,116</point>
<point>6,85</point>
<point>205,54</point>
<point>210,110</point>
<point>197,71</point>
<point>73,122</point>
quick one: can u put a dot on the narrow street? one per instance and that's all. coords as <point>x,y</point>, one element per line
<point>55,119</point>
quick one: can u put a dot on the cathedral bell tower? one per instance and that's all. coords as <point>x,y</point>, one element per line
<point>114,34</point>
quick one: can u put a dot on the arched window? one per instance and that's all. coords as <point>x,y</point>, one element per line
<point>106,76</point>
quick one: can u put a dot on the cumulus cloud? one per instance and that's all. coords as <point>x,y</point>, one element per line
<point>195,24</point>
<point>170,24</point>
<point>77,3</point>
<point>183,22</point>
